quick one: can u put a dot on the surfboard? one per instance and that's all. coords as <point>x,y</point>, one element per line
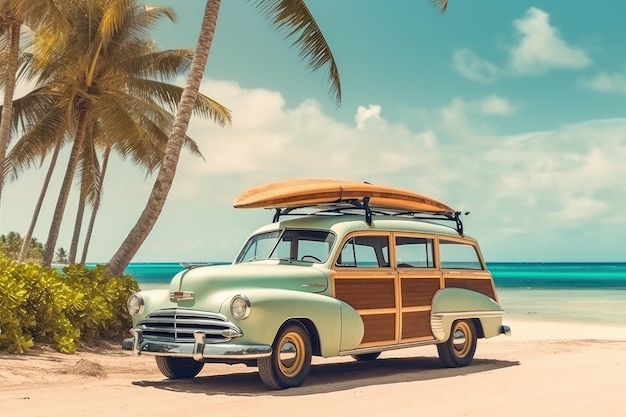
<point>312,192</point>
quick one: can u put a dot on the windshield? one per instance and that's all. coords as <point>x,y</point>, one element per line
<point>292,244</point>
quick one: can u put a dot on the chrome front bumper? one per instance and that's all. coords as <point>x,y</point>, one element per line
<point>198,350</point>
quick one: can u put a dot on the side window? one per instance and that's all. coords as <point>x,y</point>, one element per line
<point>457,255</point>
<point>365,252</point>
<point>414,252</point>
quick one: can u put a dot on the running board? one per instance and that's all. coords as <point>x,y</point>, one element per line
<point>373,349</point>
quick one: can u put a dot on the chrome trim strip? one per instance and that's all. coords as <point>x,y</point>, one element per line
<point>436,326</point>
<point>387,347</point>
<point>185,311</point>
<point>471,314</point>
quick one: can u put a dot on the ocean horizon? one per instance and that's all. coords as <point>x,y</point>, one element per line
<point>570,291</point>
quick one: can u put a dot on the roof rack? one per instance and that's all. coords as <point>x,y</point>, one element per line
<point>349,207</point>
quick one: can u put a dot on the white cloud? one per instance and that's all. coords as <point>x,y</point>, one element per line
<point>470,65</point>
<point>538,48</point>
<point>464,119</point>
<point>365,113</point>
<point>607,83</point>
<point>496,105</point>
<point>541,46</point>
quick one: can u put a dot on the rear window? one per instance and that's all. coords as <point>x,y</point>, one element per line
<point>414,252</point>
<point>458,255</point>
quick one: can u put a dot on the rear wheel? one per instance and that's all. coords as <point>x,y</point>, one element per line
<point>178,368</point>
<point>460,348</point>
<point>366,357</point>
<point>290,362</point>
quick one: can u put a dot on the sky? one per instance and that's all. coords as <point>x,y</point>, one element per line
<point>512,111</point>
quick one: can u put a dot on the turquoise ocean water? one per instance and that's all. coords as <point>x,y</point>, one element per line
<point>582,291</point>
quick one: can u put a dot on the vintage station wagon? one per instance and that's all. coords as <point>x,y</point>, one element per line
<point>344,269</point>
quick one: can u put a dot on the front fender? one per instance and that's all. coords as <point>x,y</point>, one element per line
<point>338,325</point>
<point>450,304</point>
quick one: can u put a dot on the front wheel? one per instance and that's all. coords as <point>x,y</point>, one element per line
<point>290,361</point>
<point>178,368</point>
<point>461,345</point>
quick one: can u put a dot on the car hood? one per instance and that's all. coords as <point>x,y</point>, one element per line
<point>260,274</point>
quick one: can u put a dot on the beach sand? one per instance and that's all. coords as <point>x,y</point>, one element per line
<point>543,369</point>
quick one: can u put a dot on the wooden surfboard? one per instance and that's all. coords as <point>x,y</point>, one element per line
<point>312,192</point>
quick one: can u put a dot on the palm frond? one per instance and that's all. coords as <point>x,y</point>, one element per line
<point>295,19</point>
<point>442,5</point>
<point>161,65</point>
<point>30,108</point>
<point>169,95</point>
<point>156,124</point>
<point>114,16</point>
<point>35,144</point>
<point>149,16</point>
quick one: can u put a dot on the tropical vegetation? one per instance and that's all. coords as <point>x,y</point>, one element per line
<point>12,242</point>
<point>77,305</point>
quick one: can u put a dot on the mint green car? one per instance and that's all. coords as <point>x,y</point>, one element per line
<point>323,284</point>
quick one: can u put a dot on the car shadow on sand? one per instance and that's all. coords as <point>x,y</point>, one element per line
<point>330,377</point>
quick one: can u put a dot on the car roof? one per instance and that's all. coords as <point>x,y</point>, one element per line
<point>343,224</point>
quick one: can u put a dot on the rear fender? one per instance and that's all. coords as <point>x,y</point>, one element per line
<point>450,304</point>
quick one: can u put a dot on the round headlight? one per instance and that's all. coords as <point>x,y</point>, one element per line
<point>135,304</point>
<point>240,307</point>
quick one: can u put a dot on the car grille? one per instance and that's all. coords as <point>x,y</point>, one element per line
<point>178,325</point>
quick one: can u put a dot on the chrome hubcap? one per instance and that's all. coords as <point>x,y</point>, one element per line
<point>460,339</point>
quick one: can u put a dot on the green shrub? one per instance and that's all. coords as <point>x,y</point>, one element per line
<point>78,304</point>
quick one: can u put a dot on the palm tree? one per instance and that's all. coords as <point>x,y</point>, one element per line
<point>105,75</point>
<point>291,15</point>
<point>13,13</point>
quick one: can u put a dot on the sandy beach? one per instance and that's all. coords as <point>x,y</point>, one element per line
<point>543,369</point>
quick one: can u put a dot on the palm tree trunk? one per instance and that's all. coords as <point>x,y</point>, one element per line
<point>78,223</point>
<point>9,89</point>
<point>64,193</point>
<point>96,206</point>
<point>167,171</point>
<point>26,243</point>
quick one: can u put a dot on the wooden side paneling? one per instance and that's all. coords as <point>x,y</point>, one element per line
<point>418,291</point>
<point>481,285</point>
<point>379,327</point>
<point>366,293</point>
<point>416,324</point>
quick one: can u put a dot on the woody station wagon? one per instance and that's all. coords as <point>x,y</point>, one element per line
<point>344,269</point>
